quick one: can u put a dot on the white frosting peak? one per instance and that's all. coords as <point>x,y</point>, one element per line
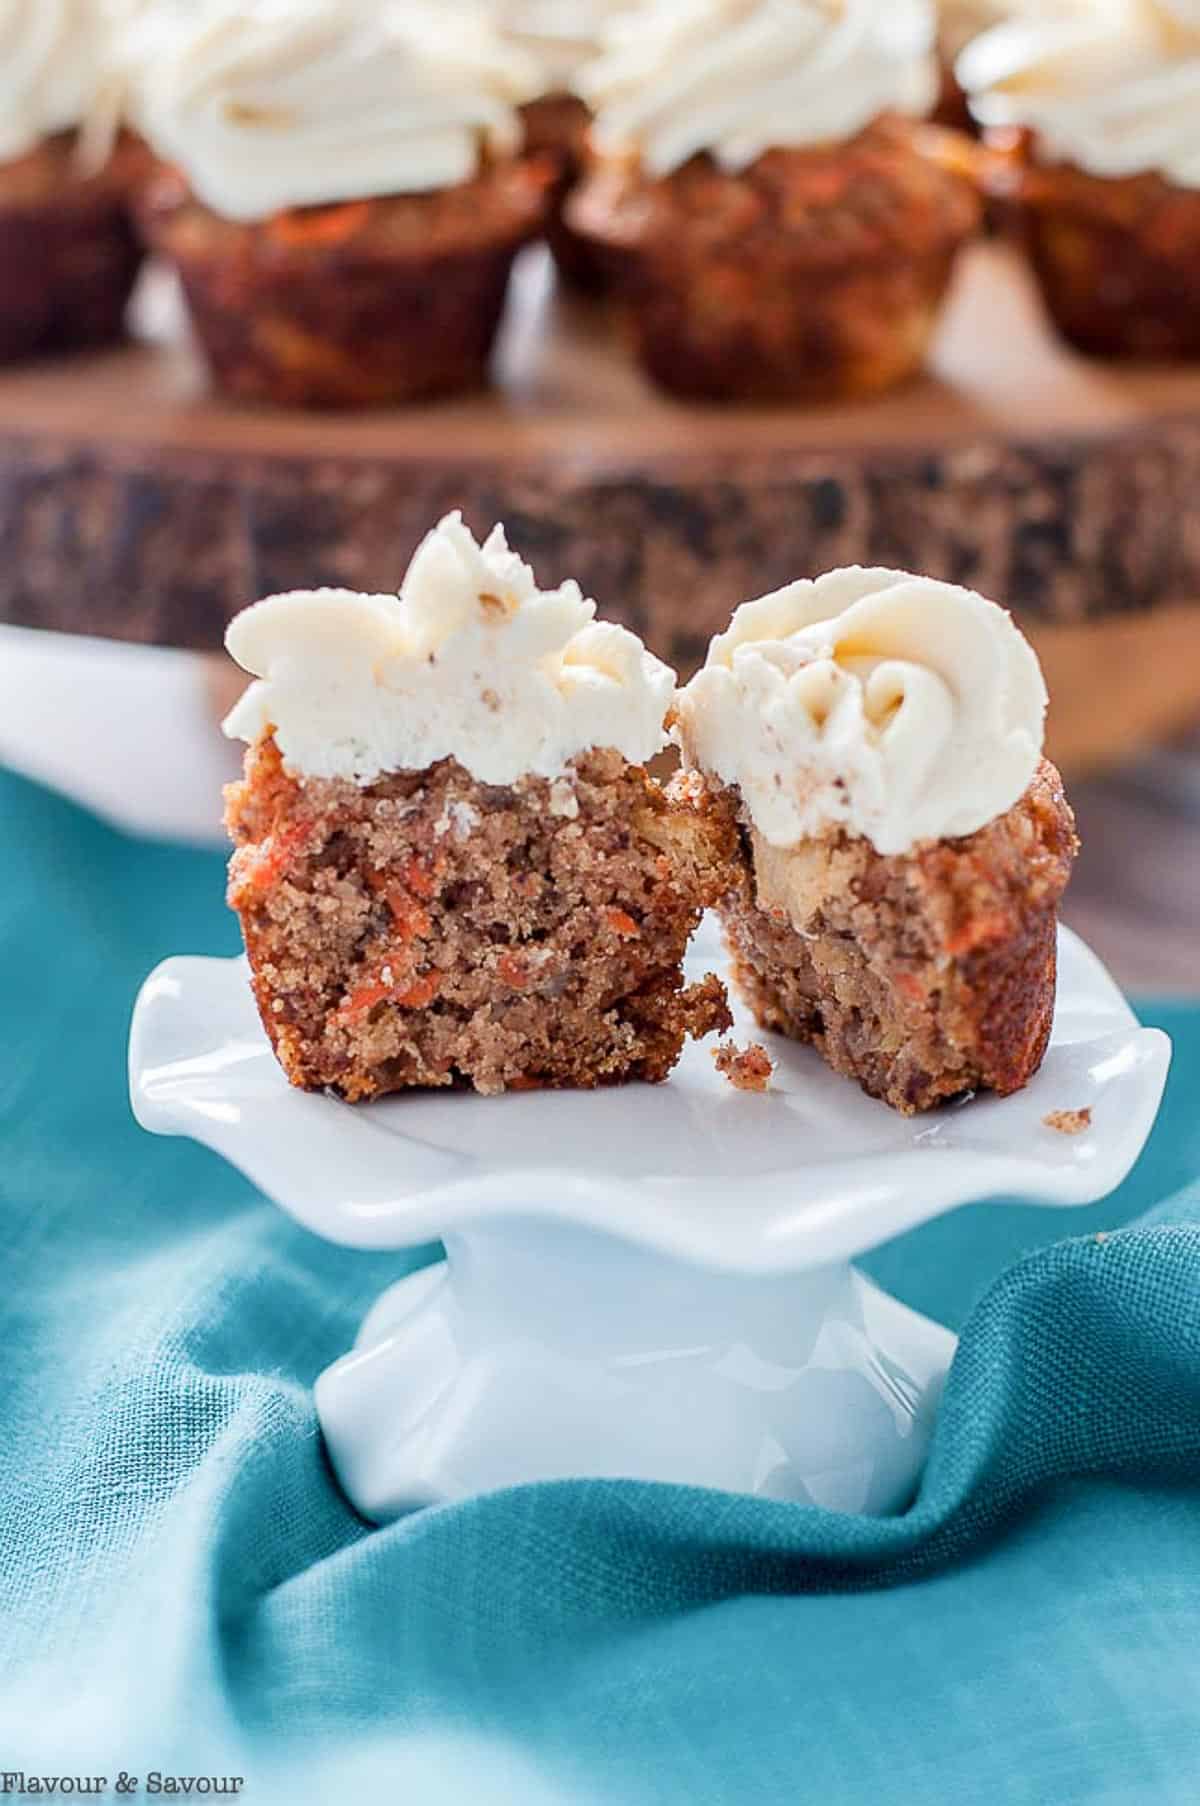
<point>892,706</point>
<point>299,103</point>
<point>472,661</point>
<point>1112,88</point>
<point>962,20</point>
<point>52,69</point>
<point>563,35</point>
<point>740,77</point>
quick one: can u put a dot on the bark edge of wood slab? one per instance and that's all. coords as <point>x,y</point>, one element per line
<point>134,506</point>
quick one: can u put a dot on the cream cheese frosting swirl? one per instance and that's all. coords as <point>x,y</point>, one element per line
<point>1114,90</point>
<point>900,709</point>
<point>294,103</point>
<point>740,77</point>
<point>563,35</point>
<point>959,21</point>
<point>52,69</point>
<point>472,661</point>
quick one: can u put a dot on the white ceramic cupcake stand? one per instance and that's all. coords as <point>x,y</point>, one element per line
<point>651,1282</point>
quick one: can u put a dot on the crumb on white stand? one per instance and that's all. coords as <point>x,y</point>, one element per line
<point>1069,1122</point>
<point>747,1069</point>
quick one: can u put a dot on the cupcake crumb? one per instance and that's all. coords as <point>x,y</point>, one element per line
<point>1068,1122</point>
<point>747,1069</point>
<point>498,607</point>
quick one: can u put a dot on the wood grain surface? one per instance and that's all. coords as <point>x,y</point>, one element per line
<point>136,505</point>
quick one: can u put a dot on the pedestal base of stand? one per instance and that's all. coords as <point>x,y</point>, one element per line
<point>651,1281</point>
<point>529,1355</point>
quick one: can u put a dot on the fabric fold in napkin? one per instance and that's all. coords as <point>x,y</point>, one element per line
<point>182,1586</point>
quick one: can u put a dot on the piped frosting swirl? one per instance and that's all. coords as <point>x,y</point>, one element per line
<point>1114,89</point>
<point>53,67</point>
<point>472,661</point>
<point>736,78</point>
<point>296,103</point>
<point>563,35</point>
<point>891,706</point>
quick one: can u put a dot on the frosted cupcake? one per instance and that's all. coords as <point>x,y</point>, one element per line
<point>1095,124</point>
<point>67,250</point>
<point>451,866</point>
<point>959,23</point>
<point>876,740</point>
<point>564,37</point>
<point>345,196</point>
<point>762,195</point>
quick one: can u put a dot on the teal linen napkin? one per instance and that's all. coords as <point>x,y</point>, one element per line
<point>183,1588</point>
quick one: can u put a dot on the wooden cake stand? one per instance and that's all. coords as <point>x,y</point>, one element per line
<point>135,507</point>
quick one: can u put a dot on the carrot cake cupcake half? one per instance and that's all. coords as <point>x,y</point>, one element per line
<point>344,192</point>
<point>68,250</point>
<point>762,194</point>
<point>874,741</point>
<point>451,867</point>
<point>1094,121</point>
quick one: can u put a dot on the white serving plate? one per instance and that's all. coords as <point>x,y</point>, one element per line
<point>653,1280</point>
<point>809,1173</point>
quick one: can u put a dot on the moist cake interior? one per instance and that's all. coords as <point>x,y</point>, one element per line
<point>922,976</point>
<point>430,930</point>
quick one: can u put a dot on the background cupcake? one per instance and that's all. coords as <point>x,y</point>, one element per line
<point>764,200</point>
<point>564,37</point>
<point>959,23</point>
<point>346,193</point>
<point>1096,122</point>
<point>68,254</point>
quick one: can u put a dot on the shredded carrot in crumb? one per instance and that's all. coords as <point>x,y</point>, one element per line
<point>909,985</point>
<point>622,923</point>
<point>415,996</point>
<point>412,922</point>
<point>525,1081</point>
<point>421,994</point>
<point>365,997</point>
<point>320,225</point>
<point>513,971</point>
<point>978,932</point>
<point>418,879</point>
<point>420,876</point>
<point>260,868</point>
